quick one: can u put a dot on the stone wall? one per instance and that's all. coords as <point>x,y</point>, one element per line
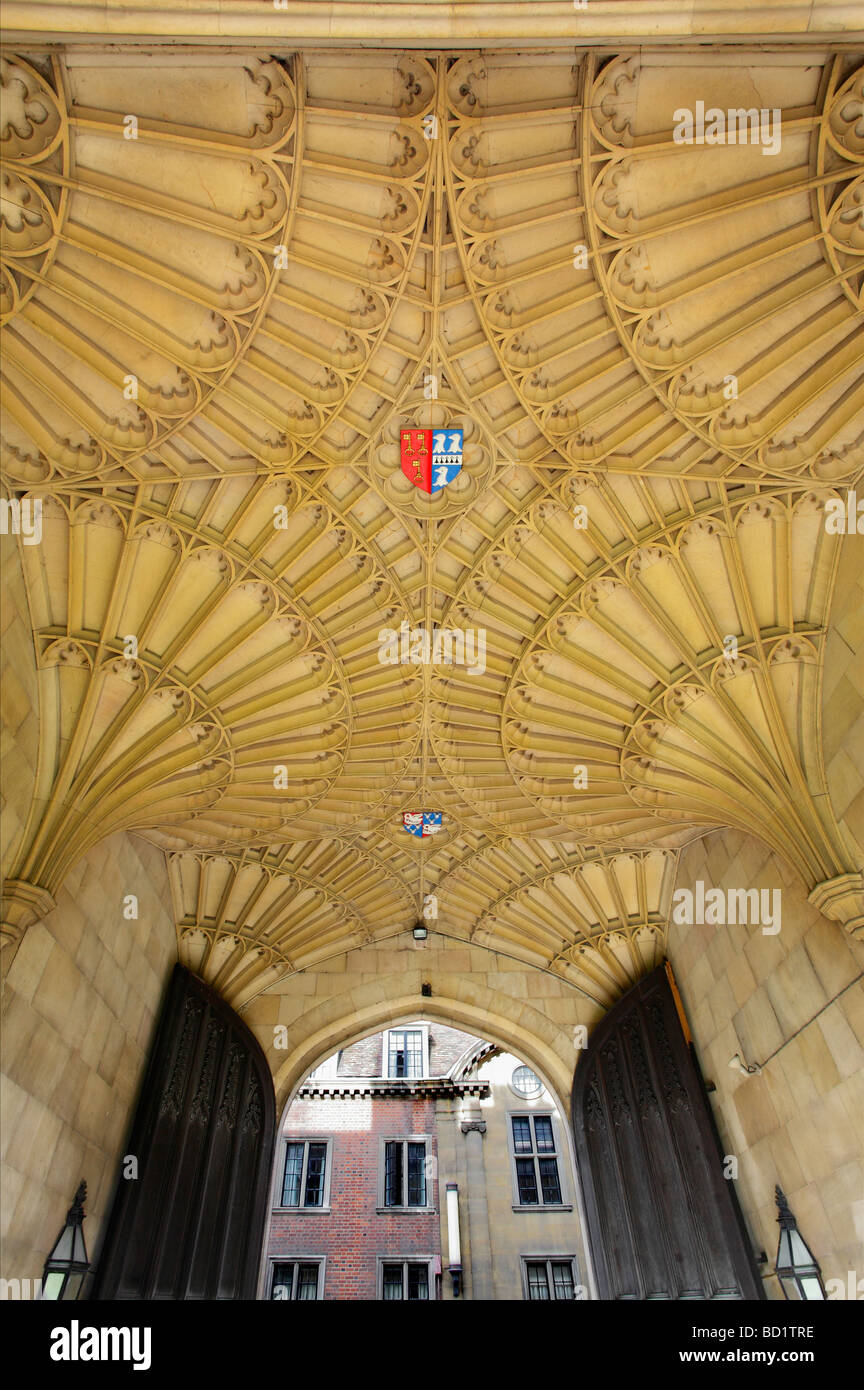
<point>786,1002</point>
<point>792,1002</point>
<point>843,694</point>
<point>80,999</point>
<point>306,1016</point>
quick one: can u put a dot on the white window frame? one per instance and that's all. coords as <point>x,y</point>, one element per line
<point>404,1261</point>
<point>531,1095</point>
<point>382,1208</point>
<point>423,1029</point>
<point>327,1069</point>
<point>274,1260</point>
<point>549,1260</point>
<point>566,1203</point>
<point>306,1140</point>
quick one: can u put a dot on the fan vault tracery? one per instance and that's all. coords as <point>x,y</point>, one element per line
<point>290,261</point>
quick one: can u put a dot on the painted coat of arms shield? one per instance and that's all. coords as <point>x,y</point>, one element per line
<point>431,458</point>
<point>421,823</point>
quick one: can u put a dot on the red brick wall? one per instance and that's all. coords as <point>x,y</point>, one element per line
<point>352,1234</point>
<point>363,1058</point>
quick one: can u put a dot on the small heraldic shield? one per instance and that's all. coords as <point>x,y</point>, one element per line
<point>431,458</point>
<point>421,823</point>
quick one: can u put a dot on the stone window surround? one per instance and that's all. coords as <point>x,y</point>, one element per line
<point>546,1258</point>
<point>294,1258</point>
<point>561,1150</point>
<point>381,1209</point>
<point>279,1184</point>
<point>382,1260</point>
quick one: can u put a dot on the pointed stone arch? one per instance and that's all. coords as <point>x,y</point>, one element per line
<point>459,1001</point>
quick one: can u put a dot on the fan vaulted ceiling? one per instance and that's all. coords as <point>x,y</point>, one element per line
<point>218,317</point>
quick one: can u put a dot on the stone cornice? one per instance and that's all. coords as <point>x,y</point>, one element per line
<point>507,23</point>
<point>351,1087</point>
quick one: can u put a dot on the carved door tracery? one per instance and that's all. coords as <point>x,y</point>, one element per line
<point>663,1222</point>
<point>190,1225</point>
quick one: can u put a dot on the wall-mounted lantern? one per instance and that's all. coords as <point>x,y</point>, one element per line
<point>67,1266</point>
<point>797,1270</point>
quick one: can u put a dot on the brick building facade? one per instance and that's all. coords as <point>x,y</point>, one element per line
<point>350,1231</point>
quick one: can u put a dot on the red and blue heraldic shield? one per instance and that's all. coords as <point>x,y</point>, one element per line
<point>421,823</point>
<point>431,458</point>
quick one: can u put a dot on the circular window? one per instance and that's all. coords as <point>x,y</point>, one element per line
<point>525,1082</point>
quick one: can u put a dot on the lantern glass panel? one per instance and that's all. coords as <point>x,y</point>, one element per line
<point>812,1287</point>
<point>73,1285</point>
<point>52,1285</point>
<point>799,1255</point>
<point>64,1249</point>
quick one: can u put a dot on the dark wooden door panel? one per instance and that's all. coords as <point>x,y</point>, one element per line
<point>663,1222</point>
<point>191,1225</point>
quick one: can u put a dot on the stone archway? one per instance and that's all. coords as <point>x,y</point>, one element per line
<point>461,1002</point>
<point>339,1107</point>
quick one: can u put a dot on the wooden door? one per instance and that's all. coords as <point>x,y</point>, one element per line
<point>663,1222</point>
<point>191,1224</point>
